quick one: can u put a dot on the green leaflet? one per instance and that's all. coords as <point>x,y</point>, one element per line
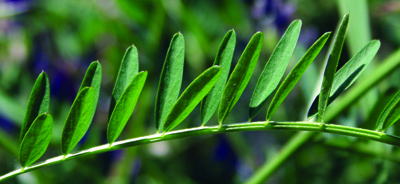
<point>170,80</point>
<point>38,103</point>
<point>128,69</point>
<point>192,96</point>
<point>36,140</point>
<point>342,79</point>
<point>390,114</point>
<point>125,106</point>
<point>346,76</point>
<point>240,76</point>
<point>330,70</point>
<point>78,119</point>
<point>275,68</point>
<point>93,79</point>
<point>294,76</point>
<point>223,59</point>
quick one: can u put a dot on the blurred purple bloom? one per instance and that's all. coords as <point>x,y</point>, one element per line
<point>6,124</point>
<point>274,12</point>
<point>224,153</point>
<point>13,7</point>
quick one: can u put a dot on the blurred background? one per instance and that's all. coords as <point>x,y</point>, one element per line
<point>63,37</point>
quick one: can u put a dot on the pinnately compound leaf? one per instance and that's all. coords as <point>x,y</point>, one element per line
<point>275,68</point>
<point>330,70</point>
<point>38,103</point>
<point>93,79</point>
<point>192,96</point>
<point>128,69</point>
<point>170,80</point>
<point>223,59</point>
<point>390,114</point>
<point>125,106</point>
<point>78,119</point>
<point>36,140</point>
<point>240,76</point>
<point>294,76</point>
<point>346,76</point>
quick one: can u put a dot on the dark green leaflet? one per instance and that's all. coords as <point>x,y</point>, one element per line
<point>390,114</point>
<point>128,69</point>
<point>38,103</point>
<point>78,119</point>
<point>345,77</point>
<point>223,59</point>
<point>192,96</point>
<point>125,106</point>
<point>240,76</point>
<point>294,76</point>
<point>275,68</point>
<point>170,80</point>
<point>93,79</point>
<point>330,70</point>
<point>36,140</point>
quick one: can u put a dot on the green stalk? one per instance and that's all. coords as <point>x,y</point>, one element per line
<point>8,143</point>
<point>290,147</point>
<point>207,130</point>
<point>388,66</point>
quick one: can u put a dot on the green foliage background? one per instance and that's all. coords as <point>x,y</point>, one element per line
<point>62,37</point>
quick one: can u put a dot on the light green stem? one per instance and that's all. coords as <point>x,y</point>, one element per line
<point>388,66</point>
<point>207,130</point>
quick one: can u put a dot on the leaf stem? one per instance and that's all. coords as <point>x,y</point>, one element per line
<point>207,130</point>
<point>387,67</point>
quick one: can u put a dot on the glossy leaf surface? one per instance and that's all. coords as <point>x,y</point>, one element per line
<point>128,69</point>
<point>223,59</point>
<point>125,106</point>
<point>294,75</point>
<point>170,80</point>
<point>240,76</point>
<point>192,96</point>
<point>38,103</point>
<point>36,140</point>
<point>275,68</point>
<point>78,119</point>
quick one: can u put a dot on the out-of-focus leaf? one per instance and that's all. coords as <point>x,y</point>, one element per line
<point>330,70</point>
<point>240,76</point>
<point>350,72</point>
<point>125,106</point>
<point>275,68</point>
<point>78,119</point>
<point>36,139</point>
<point>38,103</point>
<point>170,80</point>
<point>223,59</point>
<point>294,76</point>
<point>192,96</point>
<point>128,69</point>
<point>390,114</point>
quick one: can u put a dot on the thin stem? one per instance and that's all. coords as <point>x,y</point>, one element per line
<point>191,132</point>
<point>289,148</point>
<point>388,66</point>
